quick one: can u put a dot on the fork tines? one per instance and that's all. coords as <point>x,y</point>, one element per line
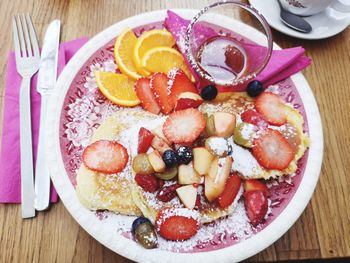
<point>26,43</point>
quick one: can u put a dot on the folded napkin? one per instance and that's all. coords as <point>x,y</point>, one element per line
<point>10,178</point>
<point>282,64</point>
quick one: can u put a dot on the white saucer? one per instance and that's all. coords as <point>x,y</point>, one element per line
<point>325,24</point>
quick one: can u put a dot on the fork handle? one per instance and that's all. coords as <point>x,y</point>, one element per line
<point>42,176</point>
<point>26,147</point>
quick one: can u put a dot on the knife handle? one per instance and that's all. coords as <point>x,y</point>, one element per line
<point>42,175</point>
<point>26,149</point>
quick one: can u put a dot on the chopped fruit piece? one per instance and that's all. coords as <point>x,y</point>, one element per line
<point>271,107</point>
<point>168,174</point>
<point>256,205</point>
<point>147,182</point>
<point>141,164</point>
<point>145,234</point>
<point>185,154</point>
<point>291,134</point>
<point>255,88</point>
<point>184,126</point>
<point>167,193</point>
<point>145,140</point>
<point>188,100</point>
<point>224,123</point>
<point>217,146</point>
<point>216,179</point>
<point>156,161</point>
<point>180,84</point>
<point>230,192</point>
<point>253,184</point>
<point>159,132</point>
<point>138,221</point>
<point>150,39</point>
<point>177,224</point>
<point>159,86</point>
<point>118,88</point>
<point>244,133</point>
<point>164,59</point>
<point>187,174</point>
<point>209,92</point>
<point>170,158</point>
<point>255,118</point>
<point>210,126</point>
<point>187,195</point>
<point>123,51</point>
<point>160,145</point>
<point>106,157</point>
<point>202,160</point>
<point>272,150</point>
<point>146,96</point>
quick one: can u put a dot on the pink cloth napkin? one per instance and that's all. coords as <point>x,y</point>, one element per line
<point>10,178</point>
<point>282,64</point>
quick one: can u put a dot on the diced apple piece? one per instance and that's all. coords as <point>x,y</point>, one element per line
<point>188,100</point>
<point>225,124</point>
<point>187,195</point>
<point>187,174</point>
<point>156,161</point>
<point>159,132</point>
<point>202,159</point>
<point>159,144</point>
<point>219,171</point>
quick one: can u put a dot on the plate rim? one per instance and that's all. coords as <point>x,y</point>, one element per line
<point>130,249</point>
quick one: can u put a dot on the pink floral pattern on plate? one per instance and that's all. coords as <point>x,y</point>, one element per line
<point>85,108</point>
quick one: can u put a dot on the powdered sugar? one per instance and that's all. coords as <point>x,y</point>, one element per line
<point>218,145</point>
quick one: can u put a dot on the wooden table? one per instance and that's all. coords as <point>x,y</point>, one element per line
<point>322,231</point>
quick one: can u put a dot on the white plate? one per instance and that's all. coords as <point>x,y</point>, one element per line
<point>325,24</point>
<point>128,248</point>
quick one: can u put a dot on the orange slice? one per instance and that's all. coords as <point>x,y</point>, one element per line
<point>164,59</point>
<point>118,88</point>
<point>148,40</point>
<point>123,53</point>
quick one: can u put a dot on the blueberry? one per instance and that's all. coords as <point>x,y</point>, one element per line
<point>185,154</point>
<point>254,88</point>
<point>138,221</point>
<point>209,92</point>
<point>170,158</point>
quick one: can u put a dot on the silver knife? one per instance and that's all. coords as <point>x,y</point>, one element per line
<point>46,83</point>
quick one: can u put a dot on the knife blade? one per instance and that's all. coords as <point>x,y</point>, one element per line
<point>45,85</point>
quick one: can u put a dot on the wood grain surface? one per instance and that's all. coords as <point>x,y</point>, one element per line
<point>322,231</point>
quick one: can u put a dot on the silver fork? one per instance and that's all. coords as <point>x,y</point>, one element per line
<point>27,62</point>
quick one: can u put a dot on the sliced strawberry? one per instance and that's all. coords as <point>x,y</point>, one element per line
<point>253,184</point>
<point>160,87</point>
<point>230,192</point>
<point>180,83</point>
<point>105,157</point>
<point>271,107</point>
<point>145,140</point>
<point>255,118</point>
<point>184,126</point>
<point>146,96</point>
<point>188,100</point>
<point>177,224</point>
<point>291,134</point>
<point>272,150</point>
<point>256,206</point>
<point>148,182</point>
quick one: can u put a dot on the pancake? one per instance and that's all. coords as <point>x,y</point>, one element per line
<point>119,192</point>
<point>98,191</point>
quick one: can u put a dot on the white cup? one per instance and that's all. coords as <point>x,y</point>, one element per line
<point>312,7</point>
